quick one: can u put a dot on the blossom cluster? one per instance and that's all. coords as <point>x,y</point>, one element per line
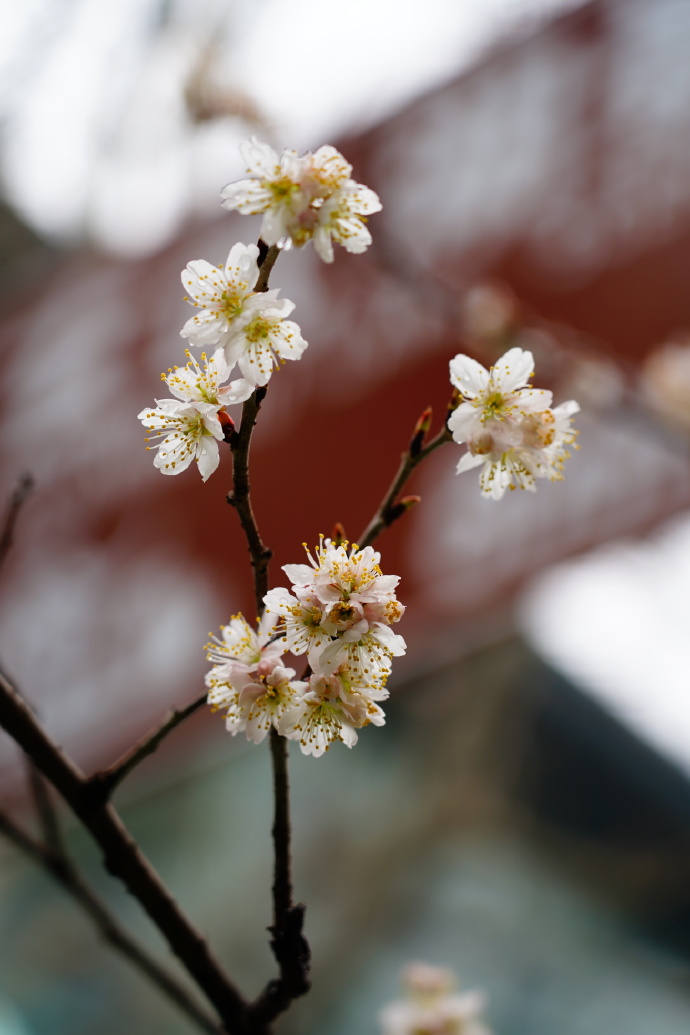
<point>511,430</point>
<point>431,1007</point>
<point>339,614</point>
<point>311,197</point>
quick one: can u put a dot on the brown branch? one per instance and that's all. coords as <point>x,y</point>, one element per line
<point>61,868</point>
<point>288,943</point>
<point>391,508</point>
<point>267,260</point>
<point>240,498</point>
<point>122,857</point>
<point>22,491</point>
<point>104,782</point>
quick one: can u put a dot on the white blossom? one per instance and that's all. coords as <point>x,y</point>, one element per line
<point>340,612</point>
<point>510,429</point>
<point>188,425</point>
<point>250,326</point>
<point>431,1007</point>
<point>303,197</point>
<point>248,680</point>
<point>331,707</point>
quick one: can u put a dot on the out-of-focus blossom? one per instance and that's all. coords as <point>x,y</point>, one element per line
<point>510,429</point>
<point>666,381</point>
<point>489,312</point>
<point>303,197</point>
<point>431,1007</point>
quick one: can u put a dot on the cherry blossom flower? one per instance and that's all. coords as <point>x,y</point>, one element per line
<point>250,326</point>
<point>303,198</point>
<point>510,429</point>
<point>248,680</point>
<point>188,425</point>
<point>431,1008</point>
<point>341,219</point>
<point>332,707</point>
<point>267,340</point>
<point>340,612</point>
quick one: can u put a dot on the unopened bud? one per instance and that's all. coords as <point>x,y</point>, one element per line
<point>421,428</point>
<point>227,424</point>
<point>338,536</point>
<point>403,505</point>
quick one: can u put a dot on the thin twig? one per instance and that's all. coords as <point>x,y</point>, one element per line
<point>391,508</point>
<point>63,870</point>
<point>122,856</point>
<point>105,781</point>
<point>240,498</point>
<point>267,259</point>
<point>22,491</point>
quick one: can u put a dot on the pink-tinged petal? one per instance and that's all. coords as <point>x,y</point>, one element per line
<point>468,462</point>
<point>468,376</point>
<point>513,370</point>
<point>236,392</point>
<point>208,457</point>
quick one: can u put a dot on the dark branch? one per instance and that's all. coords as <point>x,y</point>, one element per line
<point>16,501</point>
<point>240,498</point>
<point>103,783</point>
<point>63,870</point>
<point>288,943</point>
<point>391,508</point>
<point>122,857</point>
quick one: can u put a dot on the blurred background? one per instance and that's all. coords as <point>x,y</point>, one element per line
<point>524,816</point>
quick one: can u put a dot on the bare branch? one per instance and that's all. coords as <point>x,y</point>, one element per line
<point>104,782</point>
<point>16,501</point>
<point>63,870</point>
<point>391,508</point>
<point>122,856</point>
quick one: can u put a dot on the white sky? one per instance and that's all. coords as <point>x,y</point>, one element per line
<point>95,138</point>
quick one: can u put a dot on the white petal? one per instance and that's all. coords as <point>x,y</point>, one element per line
<point>468,376</point>
<point>236,392</point>
<point>205,328</point>
<point>468,462</point>
<point>207,456</point>
<point>513,370</point>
